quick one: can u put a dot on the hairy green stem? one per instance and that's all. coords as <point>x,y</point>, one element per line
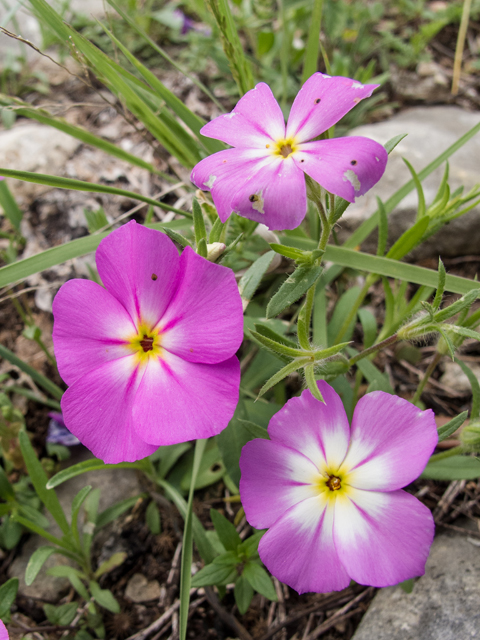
<point>373,349</point>
<point>430,369</point>
<point>305,317</point>
<point>454,451</point>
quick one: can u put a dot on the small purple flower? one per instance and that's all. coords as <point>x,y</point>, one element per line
<point>262,178</point>
<point>58,432</point>
<point>330,494</point>
<point>150,358</point>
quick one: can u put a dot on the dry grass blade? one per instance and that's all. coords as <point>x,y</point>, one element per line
<point>340,614</point>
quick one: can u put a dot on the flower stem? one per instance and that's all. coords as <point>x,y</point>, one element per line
<point>446,454</point>
<point>430,369</point>
<point>373,349</point>
<point>305,317</point>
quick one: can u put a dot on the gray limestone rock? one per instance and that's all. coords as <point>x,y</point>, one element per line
<point>444,603</point>
<point>430,131</point>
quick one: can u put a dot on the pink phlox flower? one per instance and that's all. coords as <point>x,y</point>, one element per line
<point>263,177</point>
<point>150,358</point>
<point>330,494</point>
<point>3,631</point>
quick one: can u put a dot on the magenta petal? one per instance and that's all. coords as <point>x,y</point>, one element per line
<point>204,321</point>
<point>347,167</point>
<point>273,193</point>
<point>299,550</point>
<point>90,327</point>
<point>256,121</point>
<point>382,538</point>
<point>223,173</point>
<point>392,441</point>
<point>322,102</point>
<point>318,430</point>
<point>97,408</point>
<point>274,478</point>
<point>179,400</point>
<point>3,628</point>
<point>139,266</point>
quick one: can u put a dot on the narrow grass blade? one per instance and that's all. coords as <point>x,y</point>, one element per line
<point>187,551</point>
<point>313,43</point>
<point>10,207</point>
<point>40,379</point>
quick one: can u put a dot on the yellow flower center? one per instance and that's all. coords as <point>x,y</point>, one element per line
<point>332,483</point>
<point>146,343</point>
<point>284,148</point>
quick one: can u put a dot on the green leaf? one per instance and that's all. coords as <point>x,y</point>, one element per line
<point>441,285</point>
<point>372,373</point>
<point>297,363</point>
<point>8,593</point>
<point>472,378</point>
<point>39,481</point>
<point>218,572</point>
<point>243,593</point>
<point>230,442</point>
<point>6,489</point>
<point>255,430</point>
<point>115,560</point>
<point>95,219</point>
<point>312,383</point>
<point>226,531</point>
<point>79,185</point>
<point>36,562</point>
<point>253,276</point>
<point>9,206</point>
<point>198,222</point>
<point>278,347</point>
<point>418,185</point>
<point>409,239</point>
<point>249,547</point>
<point>169,455</point>
<point>187,551</point>
<point>453,468</point>
<point>112,513</point>
<point>83,467</point>
<point>407,585</point>
<point>260,580</point>
<point>339,317</point>
<point>446,430</point>
<point>293,288</point>
<point>62,614</point>
<point>178,237</point>
<point>152,518</point>
<point>74,576</point>
<point>104,597</point>
<point>41,380</point>
<point>382,228</point>
<point>392,143</point>
<point>369,326</point>
<point>34,515</point>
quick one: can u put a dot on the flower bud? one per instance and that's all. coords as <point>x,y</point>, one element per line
<point>215,250</point>
<point>470,436</point>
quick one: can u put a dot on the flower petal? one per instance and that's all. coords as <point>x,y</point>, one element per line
<point>273,193</point>
<point>97,408</point>
<point>322,102</point>
<point>139,266</point>
<point>274,478</point>
<point>256,120</point>
<point>179,400</point>
<point>204,320</point>
<point>391,443</point>
<point>318,430</point>
<point>299,548</point>
<point>223,174</point>
<point>347,167</point>
<point>90,328</point>
<point>382,538</point>
<point>3,631</point>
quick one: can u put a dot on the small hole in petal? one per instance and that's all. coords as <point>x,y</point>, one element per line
<point>302,160</point>
<point>154,276</point>
<point>317,100</point>
<point>353,162</point>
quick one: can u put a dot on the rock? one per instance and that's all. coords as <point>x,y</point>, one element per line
<point>115,485</point>
<point>430,131</point>
<point>90,8</point>
<point>11,49</point>
<point>444,603</point>
<point>38,148</point>
<point>139,589</point>
<point>454,378</point>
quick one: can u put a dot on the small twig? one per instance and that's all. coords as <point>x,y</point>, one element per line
<point>462,33</point>
<point>340,614</point>
<point>159,622</point>
<point>226,617</point>
<point>453,489</point>
<point>331,623</point>
<point>454,527</point>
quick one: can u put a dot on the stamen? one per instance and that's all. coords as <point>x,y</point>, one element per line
<point>334,483</point>
<point>146,343</point>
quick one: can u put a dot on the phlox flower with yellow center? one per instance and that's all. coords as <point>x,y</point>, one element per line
<point>263,177</point>
<point>149,358</point>
<point>330,494</point>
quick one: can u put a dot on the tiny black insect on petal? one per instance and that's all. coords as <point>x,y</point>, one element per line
<point>353,162</point>
<point>317,100</point>
<point>252,198</point>
<point>154,276</point>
